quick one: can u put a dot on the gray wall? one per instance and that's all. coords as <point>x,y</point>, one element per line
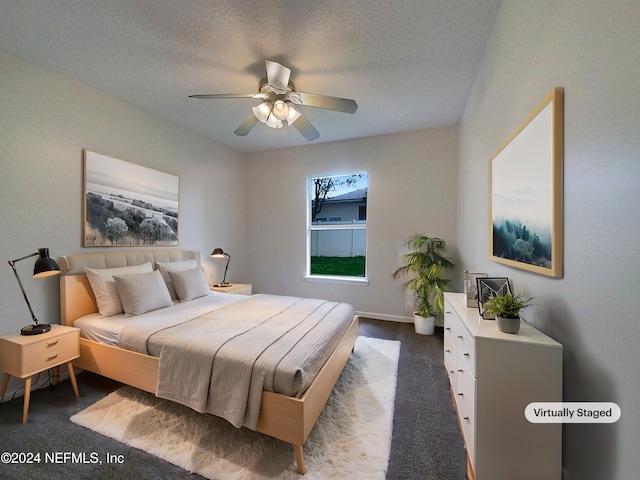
<point>45,122</point>
<point>591,49</point>
<point>412,179</point>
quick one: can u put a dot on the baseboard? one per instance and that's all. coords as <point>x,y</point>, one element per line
<point>384,316</point>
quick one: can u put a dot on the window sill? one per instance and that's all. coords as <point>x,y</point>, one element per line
<point>362,281</point>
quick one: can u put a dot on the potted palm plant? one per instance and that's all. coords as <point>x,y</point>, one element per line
<point>506,309</point>
<point>426,265</point>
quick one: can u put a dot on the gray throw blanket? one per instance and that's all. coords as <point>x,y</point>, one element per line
<point>220,362</point>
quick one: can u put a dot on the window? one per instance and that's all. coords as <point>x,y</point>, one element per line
<point>337,227</point>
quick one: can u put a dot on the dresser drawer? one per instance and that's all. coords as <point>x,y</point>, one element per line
<point>466,398</point>
<point>49,353</point>
<point>450,360</point>
<point>450,321</point>
<point>466,348</point>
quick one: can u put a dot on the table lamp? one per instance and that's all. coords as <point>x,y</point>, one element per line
<point>45,266</point>
<point>219,253</point>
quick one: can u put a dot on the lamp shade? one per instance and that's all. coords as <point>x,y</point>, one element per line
<point>262,111</point>
<point>45,265</point>
<point>273,122</point>
<point>218,253</point>
<point>280,110</point>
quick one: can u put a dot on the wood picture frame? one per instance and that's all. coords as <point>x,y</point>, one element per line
<point>127,204</point>
<point>526,192</point>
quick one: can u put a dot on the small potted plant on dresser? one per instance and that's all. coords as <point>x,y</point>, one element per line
<point>426,264</point>
<point>506,309</point>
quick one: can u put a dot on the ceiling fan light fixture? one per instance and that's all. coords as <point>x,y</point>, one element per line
<point>280,101</point>
<point>280,110</point>
<point>263,111</point>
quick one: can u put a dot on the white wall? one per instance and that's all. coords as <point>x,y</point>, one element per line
<point>591,49</point>
<point>45,122</point>
<point>411,190</point>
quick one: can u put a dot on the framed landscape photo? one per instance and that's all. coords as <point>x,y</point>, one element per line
<point>127,204</point>
<point>526,189</point>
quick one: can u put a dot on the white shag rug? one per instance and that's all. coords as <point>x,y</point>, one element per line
<point>351,439</point>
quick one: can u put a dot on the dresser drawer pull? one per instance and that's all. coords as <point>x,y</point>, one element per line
<point>52,357</point>
<point>448,351</point>
<point>460,336</point>
<point>448,329</point>
<point>52,344</point>
<point>460,370</point>
<point>461,394</point>
<point>452,371</point>
<point>465,354</point>
<point>446,312</point>
<point>466,418</point>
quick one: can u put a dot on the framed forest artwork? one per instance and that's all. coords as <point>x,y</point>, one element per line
<point>526,189</point>
<point>127,204</point>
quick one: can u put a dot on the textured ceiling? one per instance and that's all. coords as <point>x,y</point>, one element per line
<point>409,64</point>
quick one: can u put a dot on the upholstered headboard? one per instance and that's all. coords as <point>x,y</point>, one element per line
<point>76,295</point>
<point>75,264</point>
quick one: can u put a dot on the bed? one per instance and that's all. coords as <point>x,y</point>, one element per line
<point>288,416</point>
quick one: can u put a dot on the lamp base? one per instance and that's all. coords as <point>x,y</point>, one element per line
<point>35,329</point>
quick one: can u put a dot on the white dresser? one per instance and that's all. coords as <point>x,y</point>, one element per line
<point>493,377</point>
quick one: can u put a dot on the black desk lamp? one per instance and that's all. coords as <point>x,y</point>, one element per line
<point>219,253</point>
<point>45,266</point>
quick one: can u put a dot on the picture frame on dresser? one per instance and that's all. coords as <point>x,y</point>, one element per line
<point>488,287</point>
<point>471,287</point>
<point>526,192</point>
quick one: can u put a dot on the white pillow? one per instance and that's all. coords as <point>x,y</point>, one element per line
<point>179,266</point>
<point>104,287</point>
<point>142,292</point>
<point>190,284</point>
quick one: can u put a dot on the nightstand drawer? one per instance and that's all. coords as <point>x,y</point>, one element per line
<point>243,291</point>
<point>49,353</point>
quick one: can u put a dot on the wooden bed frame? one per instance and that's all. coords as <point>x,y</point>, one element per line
<point>285,418</point>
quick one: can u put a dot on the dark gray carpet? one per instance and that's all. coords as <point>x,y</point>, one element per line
<point>426,445</point>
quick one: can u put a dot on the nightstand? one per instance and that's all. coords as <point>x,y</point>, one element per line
<point>22,356</point>
<point>236,288</point>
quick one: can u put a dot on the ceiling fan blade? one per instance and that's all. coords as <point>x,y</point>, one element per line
<point>307,130</point>
<point>215,96</point>
<point>338,104</point>
<point>246,126</point>
<point>278,76</point>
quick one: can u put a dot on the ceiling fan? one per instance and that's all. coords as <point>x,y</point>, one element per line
<point>281,101</point>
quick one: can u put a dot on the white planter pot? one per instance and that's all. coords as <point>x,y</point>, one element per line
<point>424,326</point>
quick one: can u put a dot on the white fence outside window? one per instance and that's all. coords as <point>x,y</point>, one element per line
<point>338,239</point>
